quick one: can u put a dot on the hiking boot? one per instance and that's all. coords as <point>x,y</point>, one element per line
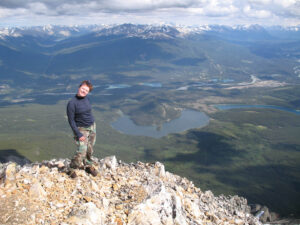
<point>91,170</point>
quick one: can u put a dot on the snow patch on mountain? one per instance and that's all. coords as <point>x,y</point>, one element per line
<point>162,31</point>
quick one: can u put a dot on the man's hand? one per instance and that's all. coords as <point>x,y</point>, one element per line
<point>82,138</point>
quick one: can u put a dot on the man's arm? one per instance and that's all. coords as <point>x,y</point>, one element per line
<point>71,119</point>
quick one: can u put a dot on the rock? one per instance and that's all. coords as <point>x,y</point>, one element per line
<point>274,216</point>
<point>263,213</point>
<point>10,174</point>
<point>144,217</point>
<point>109,162</point>
<point>115,187</point>
<point>265,217</point>
<point>10,171</point>
<point>239,221</point>
<point>43,169</point>
<point>192,208</point>
<point>87,214</point>
<point>94,186</point>
<point>119,207</point>
<point>37,191</point>
<point>60,164</point>
<point>46,182</point>
<point>255,208</point>
<point>159,201</point>
<point>135,193</point>
<point>160,169</point>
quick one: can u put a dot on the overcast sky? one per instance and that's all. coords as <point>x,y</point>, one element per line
<point>184,12</point>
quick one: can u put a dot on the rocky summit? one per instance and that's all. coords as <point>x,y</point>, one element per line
<point>136,193</point>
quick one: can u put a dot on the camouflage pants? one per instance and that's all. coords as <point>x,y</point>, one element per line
<point>83,156</point>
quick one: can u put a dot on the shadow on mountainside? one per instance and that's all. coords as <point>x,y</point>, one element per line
<point>12,155</point>
<point>213,149</point>
<point>276,186</point>
<point>286,147</point>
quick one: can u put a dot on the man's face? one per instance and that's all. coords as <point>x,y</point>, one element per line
<point>83,90</point>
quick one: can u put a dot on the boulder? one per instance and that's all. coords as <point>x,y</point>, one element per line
<point>87,214</point>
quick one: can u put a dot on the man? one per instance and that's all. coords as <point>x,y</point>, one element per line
<point>82,122</point>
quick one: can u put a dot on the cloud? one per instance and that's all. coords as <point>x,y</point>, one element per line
<point>250,12</point>
<point>280,8</point>
<point>286,3</point>
<point>220,8</point>
<point>13,4</point>
<point>8,12</point>
<point>38,8</point>
<point>136,5</point>
<point>260,2</point>
<point>161,10</point>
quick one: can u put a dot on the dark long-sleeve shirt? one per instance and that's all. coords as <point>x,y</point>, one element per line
<point>79,112</point>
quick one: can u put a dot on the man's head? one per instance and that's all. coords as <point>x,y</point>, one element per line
<point>84,88</point>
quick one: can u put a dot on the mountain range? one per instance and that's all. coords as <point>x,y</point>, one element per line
<point>56,32</point>
<point>43,54</point>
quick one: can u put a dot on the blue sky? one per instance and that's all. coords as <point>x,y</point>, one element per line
<point>180,12</point>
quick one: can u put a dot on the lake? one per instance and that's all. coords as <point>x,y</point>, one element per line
<point>233,106</point>
<point>189,119</point>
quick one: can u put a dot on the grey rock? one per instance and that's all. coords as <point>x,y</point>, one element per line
<point>109,163</point>
<point>87,214</point>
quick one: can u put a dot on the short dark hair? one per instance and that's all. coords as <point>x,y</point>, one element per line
<point>87,83</point>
